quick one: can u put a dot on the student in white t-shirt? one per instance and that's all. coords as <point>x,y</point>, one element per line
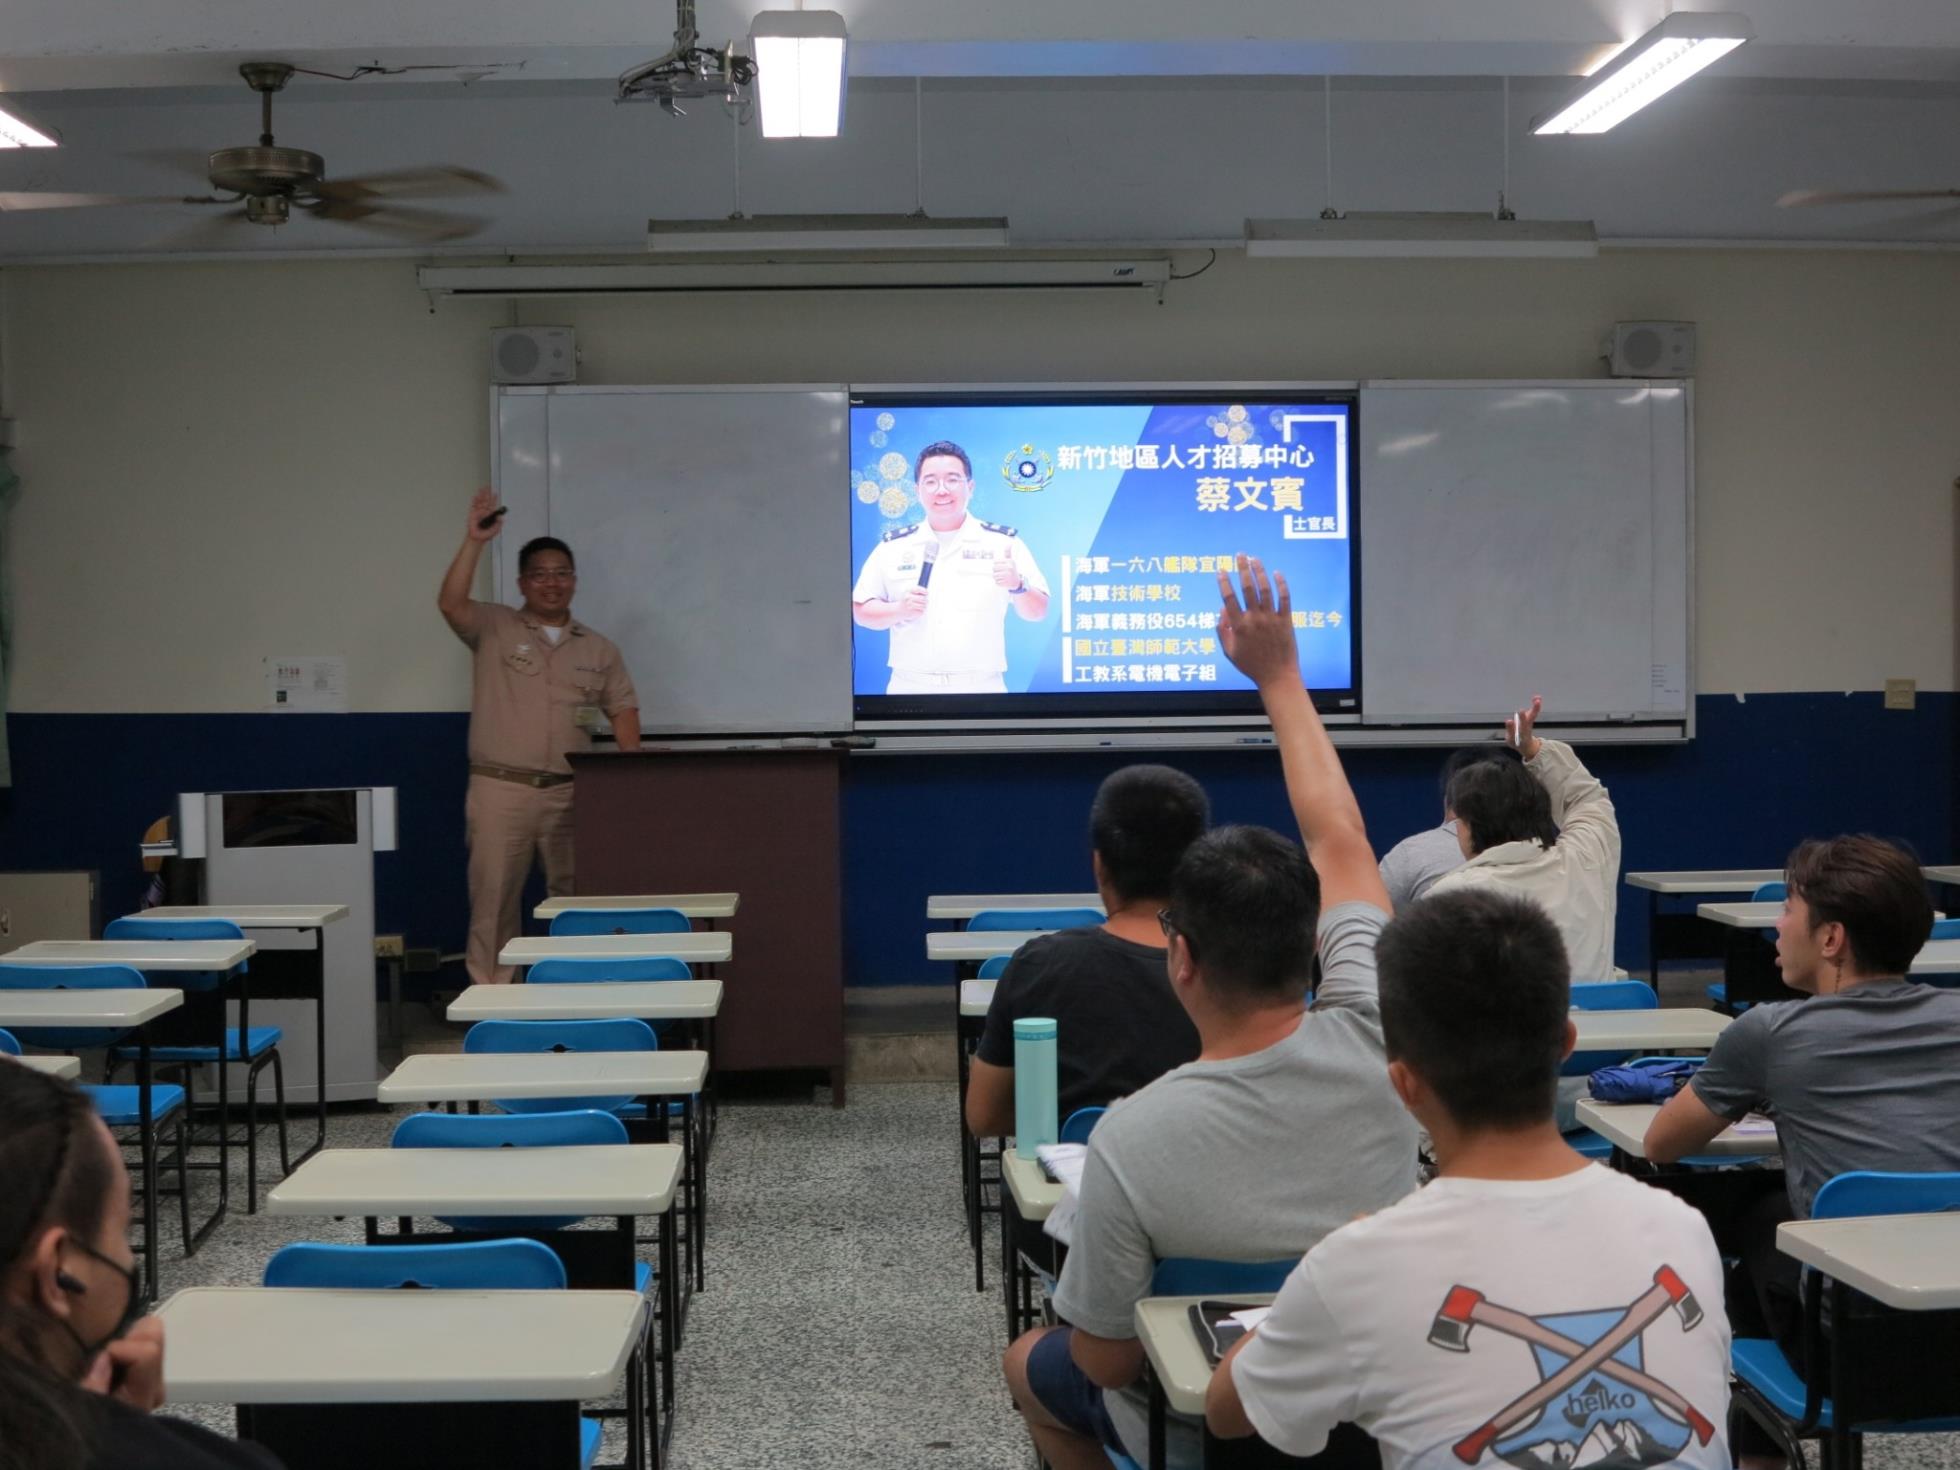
<point>1527,1308</point>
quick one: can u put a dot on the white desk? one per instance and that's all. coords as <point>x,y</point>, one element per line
<point>66,1068</point>
<point>108,1010</point>
<point>1035,1194</point>
<point>976,997</point>
<point>955,945</point>
<point>1667,1030</point>
<point>1742,915</point>
<point>301,918</point>
<point>455,1077</point>
<point>111,1010</point>
<point>1176,1361</point>
<point>254,915</point>
<point>1705,880</point>
<point>1624,1125</point>
<point>647,1000</point>
<point>1907,1261</point>
<point>1939,957</point>
<point>1949,874</point>
<point>626,1179</point>
<point>694,948</point>
<point>688,905</point>
<point>1659,885</point>
<point>964,906</point>
<point>152,956</point>
<point>263,1345</point>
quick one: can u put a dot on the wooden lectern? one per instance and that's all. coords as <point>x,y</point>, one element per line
<point>760,823</point>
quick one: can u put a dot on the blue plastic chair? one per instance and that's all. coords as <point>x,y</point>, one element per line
<point>9,1046</point>
<point>1770,1388</point>
<point>255,1048</point>
<point>71,977</point>
<point>1080,1124</point>
<point>573,1128</point>
<point>603,971</point>
<point>482,1265</point>
<point>994,920</point>
<point>1193,1276</point>
<point>616,1034</point>
<point>1718,993</point>
<point>993,969</point>
<point>620,921</point>
<point>137,927</point>
<point>1945,929</point>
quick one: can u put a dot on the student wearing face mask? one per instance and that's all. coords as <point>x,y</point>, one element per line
<point>81,1367</point>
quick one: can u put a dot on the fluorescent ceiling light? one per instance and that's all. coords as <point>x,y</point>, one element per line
<point>17,134</point>
<point>1651,67</point>
<point>799,72</point>
<point>1385,236</point>
<point>771,232</point>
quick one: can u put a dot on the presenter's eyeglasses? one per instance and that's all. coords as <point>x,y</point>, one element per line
<point>551,574</point>
<point>944,482</point>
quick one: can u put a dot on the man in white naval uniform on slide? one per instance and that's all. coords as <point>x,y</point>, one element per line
<point>948,636</point>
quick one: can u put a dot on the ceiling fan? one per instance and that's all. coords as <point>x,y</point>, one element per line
<point>269,182</point>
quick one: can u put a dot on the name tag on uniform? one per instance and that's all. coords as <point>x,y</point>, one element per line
<point>586,716</point>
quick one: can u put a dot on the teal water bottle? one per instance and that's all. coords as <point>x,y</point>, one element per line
<point>1035,1122</point>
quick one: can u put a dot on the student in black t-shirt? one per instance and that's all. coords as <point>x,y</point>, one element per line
<point>81,1368</point>
<point>1118,1025</point>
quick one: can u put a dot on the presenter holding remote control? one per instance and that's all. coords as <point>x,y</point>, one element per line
<point>943,586</point>
<point>540,680</point>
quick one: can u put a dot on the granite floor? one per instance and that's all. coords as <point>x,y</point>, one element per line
<point>840,1327</point>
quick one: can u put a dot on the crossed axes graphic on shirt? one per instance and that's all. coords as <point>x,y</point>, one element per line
<point>1464,1308</point>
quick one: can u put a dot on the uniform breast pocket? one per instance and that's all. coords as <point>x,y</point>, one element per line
<point>523,659</point>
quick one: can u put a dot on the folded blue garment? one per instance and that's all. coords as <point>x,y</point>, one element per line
<point>1640,1084</point>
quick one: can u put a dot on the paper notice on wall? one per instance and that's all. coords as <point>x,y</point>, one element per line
<point>1669,684</point>
<point>306,685</point>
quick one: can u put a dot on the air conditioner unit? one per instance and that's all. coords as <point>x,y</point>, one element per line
<point>1133,273</point>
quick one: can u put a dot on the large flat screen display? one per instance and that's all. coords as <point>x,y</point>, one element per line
<point>1031,558</point>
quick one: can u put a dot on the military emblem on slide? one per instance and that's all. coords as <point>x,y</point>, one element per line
<point>1027,469</point>
<point>1594,1405</point>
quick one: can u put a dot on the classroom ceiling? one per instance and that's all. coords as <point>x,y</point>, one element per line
<point>1137,121</point>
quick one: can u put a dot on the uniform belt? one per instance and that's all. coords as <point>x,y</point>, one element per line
<point>522,778</point>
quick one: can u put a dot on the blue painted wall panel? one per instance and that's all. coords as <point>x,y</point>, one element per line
<point>1763,774</point>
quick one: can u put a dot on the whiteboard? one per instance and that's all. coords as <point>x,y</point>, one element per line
<point>1517,539</point>
<point>710,539</point>
<point>1521,539</point>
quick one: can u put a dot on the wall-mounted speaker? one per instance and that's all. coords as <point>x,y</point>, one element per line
<point>1650,350</point>
<point>533,355</point>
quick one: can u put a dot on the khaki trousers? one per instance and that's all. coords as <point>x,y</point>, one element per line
<point>506,824</point>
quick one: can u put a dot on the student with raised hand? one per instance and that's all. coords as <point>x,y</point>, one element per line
<point>1414,864</point>
<point>1526,1307</point>
<point>1544,830</point>
<point>1118,1025</point>
<point>1284,1128</point>
<point>81,1367</point>
<point>1862,1074</point>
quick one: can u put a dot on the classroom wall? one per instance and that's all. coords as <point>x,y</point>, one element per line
<point>226,462</point>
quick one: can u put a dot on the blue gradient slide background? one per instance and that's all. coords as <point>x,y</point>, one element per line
<point>1134,517</point>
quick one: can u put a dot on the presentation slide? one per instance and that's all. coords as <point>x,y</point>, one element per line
<point>1073,548</point>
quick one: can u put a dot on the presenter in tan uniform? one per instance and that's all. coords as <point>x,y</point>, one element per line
<point>540,679</point>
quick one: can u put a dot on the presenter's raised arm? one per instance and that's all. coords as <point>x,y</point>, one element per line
<point>453,597</point>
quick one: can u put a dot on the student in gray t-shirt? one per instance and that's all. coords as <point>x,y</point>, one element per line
<point>1865,1074</point>
<point>1284,1129</point>
<point>1418,861</point>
